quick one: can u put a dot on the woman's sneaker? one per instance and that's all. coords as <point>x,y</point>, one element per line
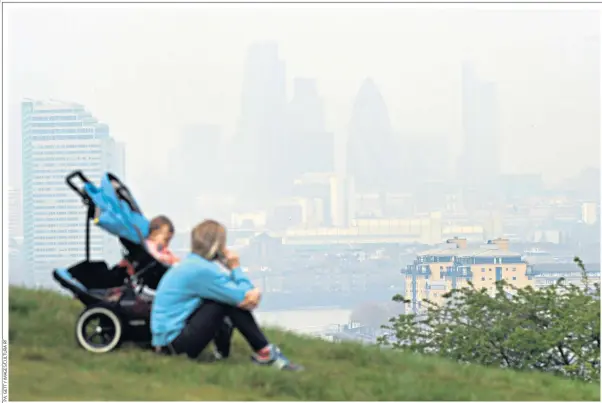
<point>211,356</point>
<point>276,359</point>
<point>218,355</point>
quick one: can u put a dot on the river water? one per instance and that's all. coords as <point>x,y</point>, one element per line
<point>304,321</point>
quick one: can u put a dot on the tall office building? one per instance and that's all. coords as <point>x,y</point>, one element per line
<point>60,137</point>
<point>261,139</point>
<point>370,145</point>
<point>478,167</point>
<point>15,213</point>
<point>480,160</point>
<point>311,147</point>
<point>15,237</point>
<point>196,169</point>
<point>342,199</point>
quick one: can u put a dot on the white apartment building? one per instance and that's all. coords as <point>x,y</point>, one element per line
<point>58,138</point>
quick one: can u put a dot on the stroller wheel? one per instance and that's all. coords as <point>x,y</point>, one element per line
<point>98,330</point>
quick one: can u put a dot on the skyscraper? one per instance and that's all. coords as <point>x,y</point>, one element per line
<point>370,144</point>
<point>261,140</point>
<point>342,199</point>
<point>196,169</point>
<point>15,213</point>
<point>480,160</point>
<point>311,147</point>
<point>479,163</point>
<point>59,137</point>
<point>15,237</point>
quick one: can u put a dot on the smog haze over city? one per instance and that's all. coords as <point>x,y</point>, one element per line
<point>338,143</point>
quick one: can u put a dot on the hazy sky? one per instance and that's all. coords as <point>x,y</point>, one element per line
<point>150,70</point>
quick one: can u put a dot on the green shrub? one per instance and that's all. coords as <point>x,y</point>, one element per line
<point>555,329</point>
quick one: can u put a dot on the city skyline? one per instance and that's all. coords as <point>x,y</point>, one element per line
<point>572,54</point>
<point>367,93</point>
<point>410,142</point>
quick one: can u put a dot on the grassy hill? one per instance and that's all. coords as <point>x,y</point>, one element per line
<point>46,364</point>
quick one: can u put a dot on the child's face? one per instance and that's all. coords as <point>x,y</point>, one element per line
<point>162,236</point>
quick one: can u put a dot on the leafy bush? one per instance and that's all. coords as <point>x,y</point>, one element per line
<point>555,329</point>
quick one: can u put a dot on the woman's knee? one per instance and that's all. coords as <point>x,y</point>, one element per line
<point>207,316</point>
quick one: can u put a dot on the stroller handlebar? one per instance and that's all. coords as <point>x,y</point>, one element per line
<point>78,190</point>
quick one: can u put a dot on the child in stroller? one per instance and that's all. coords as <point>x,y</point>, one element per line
<point>160,233</point>
<point>116,307</point>
<point>157,243</point>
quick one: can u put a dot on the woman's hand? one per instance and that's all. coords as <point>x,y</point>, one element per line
<point>232,259</point>
<point>251,301</point>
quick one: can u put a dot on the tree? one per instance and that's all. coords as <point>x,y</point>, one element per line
<point>555,329</point>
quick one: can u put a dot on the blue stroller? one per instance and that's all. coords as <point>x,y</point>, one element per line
<point>117,299</point>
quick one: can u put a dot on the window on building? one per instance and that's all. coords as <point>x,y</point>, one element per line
<point>482,278</point>
<point>514,269</point>
<point>483,269</point>
<point>513,278</point>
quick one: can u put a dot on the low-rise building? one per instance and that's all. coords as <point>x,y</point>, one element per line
<point>438,271</point>
<point>546,274</point>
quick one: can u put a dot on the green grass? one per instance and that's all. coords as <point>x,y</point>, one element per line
<point>46,364</point>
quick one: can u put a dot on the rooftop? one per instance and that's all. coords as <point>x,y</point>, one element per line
<point>50,103</point>
<point>565,268</point>
<point>469,252</point>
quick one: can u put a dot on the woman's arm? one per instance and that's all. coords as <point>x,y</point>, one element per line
<point>241,278</point>
<point>220,286</point>
<point>233,264</point>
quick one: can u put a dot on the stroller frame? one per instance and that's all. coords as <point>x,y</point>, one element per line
<point>112,298</point>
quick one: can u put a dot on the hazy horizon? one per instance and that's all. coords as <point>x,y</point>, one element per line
<point>337,143</point>
<point>150,71</point>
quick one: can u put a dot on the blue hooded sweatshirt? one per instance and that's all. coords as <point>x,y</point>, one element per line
<point>182,289</point>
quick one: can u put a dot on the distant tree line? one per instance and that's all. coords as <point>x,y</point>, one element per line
<point>555,329</point>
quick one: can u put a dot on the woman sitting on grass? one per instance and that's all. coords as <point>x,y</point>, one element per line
<point>195,297</point>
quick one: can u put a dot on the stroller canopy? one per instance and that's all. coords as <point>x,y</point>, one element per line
<point>119,212</point>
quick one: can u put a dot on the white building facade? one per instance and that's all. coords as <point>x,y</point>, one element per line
<point>58,138</point>
<point>15,213</point>
<point>15,237</point>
